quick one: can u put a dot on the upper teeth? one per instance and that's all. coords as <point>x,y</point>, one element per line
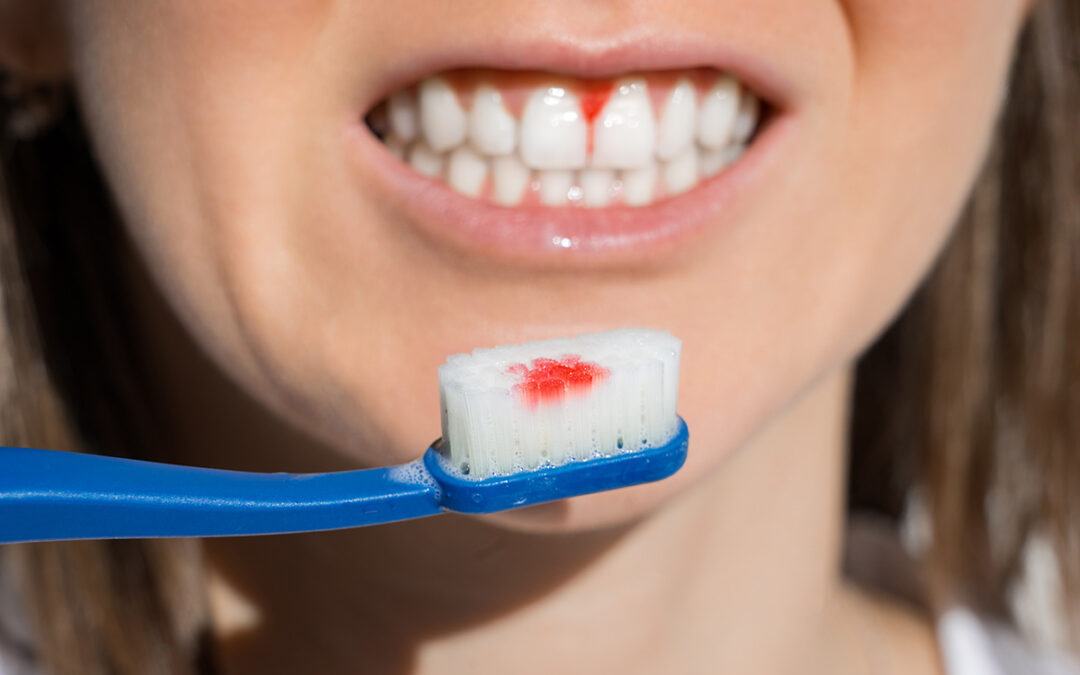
<point>553,131</point>
<point>492,130</point>
<point>678,122</point>
<point>625,132</point>
<point>402,112</point>
<point>718,112</point>
<point>442,119</point>
<point>630,155</point>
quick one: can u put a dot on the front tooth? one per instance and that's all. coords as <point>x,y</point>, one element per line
<point>425,160</point>
<point>553,131</point>
<point>402,113</point>
<point>510,178</point>
<point>678,121</point>
<point>442,119</point>
<point>638,185</point>
<point>681,173</point>
<point>555,186</point>
<point>746,118</point>
<point>466,171</point>
<point>625,131</point>
<point>492,130</point>
<point>597,186</point>
<point>712,161</point>
<point>718,109</point>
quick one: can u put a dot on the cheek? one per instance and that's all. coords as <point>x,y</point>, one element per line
<point>883,169</point>
<point>220,134</point>
<point>927,85</point>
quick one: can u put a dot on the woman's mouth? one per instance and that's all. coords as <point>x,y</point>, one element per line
<point>527,139</point>
<point>570,157</point>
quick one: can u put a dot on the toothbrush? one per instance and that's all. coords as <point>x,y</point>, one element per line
<point>522,425</point>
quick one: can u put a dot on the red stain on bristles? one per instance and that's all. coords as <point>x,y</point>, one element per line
<point>550,380</point>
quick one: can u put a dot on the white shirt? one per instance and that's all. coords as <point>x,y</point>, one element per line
<point>970,646</point>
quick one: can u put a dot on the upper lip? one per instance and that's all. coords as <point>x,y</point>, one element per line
<point>641,49</point>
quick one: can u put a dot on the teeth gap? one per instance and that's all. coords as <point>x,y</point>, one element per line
<point>535,146</point>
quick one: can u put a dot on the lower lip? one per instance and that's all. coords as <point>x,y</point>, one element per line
<point>571,237</point>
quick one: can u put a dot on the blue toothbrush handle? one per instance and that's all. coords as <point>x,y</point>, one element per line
<point>48,495</point>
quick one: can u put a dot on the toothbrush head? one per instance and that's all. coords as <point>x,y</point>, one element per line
<point>536,486</point>
<point>546,420</point>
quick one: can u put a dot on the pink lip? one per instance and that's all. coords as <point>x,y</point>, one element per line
<point>569,237</point>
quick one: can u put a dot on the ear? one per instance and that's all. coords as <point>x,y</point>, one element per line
<point>31,39</point>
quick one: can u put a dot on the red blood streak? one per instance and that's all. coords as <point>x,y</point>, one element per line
<point>593,101</point>
<point>550,380</point>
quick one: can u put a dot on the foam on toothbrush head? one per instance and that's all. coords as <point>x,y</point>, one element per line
<point>512,409</point>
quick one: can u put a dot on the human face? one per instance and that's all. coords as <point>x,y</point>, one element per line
<point>329,279</point>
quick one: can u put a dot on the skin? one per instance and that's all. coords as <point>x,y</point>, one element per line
<point>297,321</point>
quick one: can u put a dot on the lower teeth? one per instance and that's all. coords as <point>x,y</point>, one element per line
<point>505,181</point>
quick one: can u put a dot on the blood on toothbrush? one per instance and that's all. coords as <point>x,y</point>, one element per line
<point>549,380</point>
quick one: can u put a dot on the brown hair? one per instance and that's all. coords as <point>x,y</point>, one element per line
<point>71,378</point>
<point>973,394</point>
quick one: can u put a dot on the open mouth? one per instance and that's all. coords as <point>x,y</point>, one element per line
<point>527,139</point>
<point>564,154</point>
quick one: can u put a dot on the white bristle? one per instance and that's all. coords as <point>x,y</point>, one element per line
<point>491,428</point>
